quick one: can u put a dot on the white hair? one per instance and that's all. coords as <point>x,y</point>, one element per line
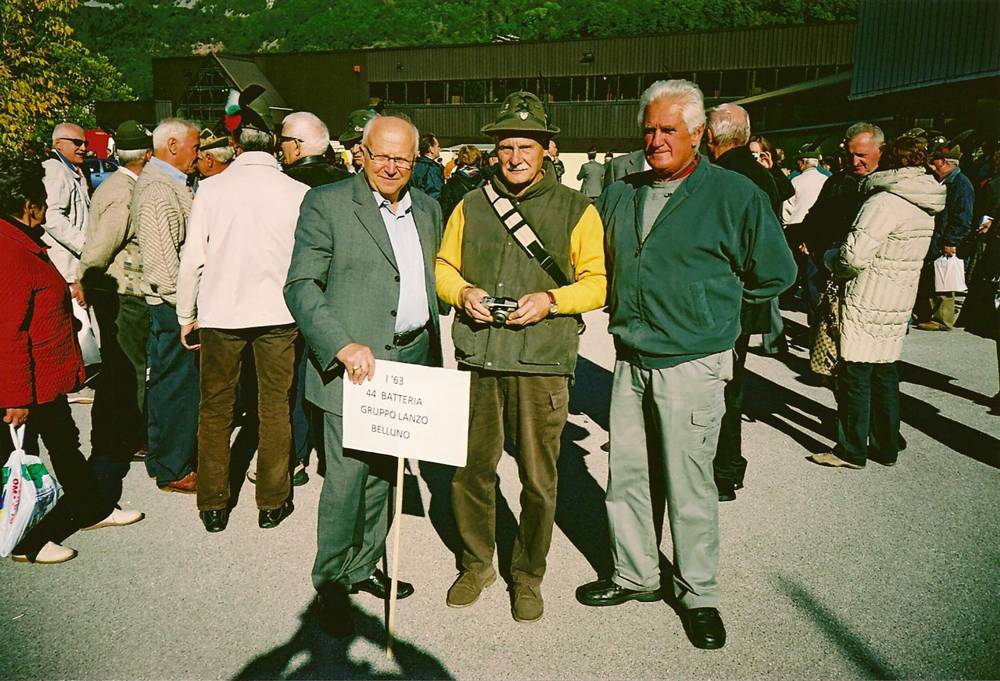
<point>171,128</point>
<point>130,156</point>
<point>861,128</point>
<point>60,130</point>
<point>413,128</point>
<point>730,125</point>
<point>252,139</point>
<point>310,129</point>
<point>687,94</point>
<point>221,154</point>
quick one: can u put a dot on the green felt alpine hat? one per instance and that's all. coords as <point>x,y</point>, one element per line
<point>130,136</point>
<point>521,112</point>
<point>809,151</point>
<point>356,123</point>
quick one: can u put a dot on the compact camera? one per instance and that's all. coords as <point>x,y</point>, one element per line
<point>500,308</point>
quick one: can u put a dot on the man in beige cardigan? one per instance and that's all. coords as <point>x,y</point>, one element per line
<point>161,205</point>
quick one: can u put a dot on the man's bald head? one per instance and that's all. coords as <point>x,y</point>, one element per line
<point>391,125</point>
<point>390,148</point>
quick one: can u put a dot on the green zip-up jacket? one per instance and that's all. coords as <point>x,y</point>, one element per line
<point>676,295</point>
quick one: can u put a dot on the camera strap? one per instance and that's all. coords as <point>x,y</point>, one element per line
<point>523,234</point>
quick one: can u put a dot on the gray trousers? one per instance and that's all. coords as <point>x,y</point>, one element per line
<point>354,503</point>
<point>666,421</point>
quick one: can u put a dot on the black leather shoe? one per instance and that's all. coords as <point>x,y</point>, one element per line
<point>215,521</point>
<point>727,489</point>
<point>273,517</point>
<point>704,628</point>
<point>333,609</point>
<point>378,585</point>
<point>606,592</point>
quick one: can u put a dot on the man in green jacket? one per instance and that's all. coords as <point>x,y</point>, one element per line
<point>521,366</point>
<point>687,243</point>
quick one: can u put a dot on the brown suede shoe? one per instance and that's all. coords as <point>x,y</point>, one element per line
<point>186,485</point>
<point>467,588</point>
<point>526,603</point>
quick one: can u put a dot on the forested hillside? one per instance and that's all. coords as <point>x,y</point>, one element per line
<point>130,32</point>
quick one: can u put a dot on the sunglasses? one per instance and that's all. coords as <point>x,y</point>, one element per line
<point>77,142</point>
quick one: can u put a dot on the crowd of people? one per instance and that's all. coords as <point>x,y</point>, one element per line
<point>238,275</point>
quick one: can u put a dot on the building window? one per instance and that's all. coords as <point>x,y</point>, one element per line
<point>434,93</point>
<point>735,83</point>
<point>558,89</point>
<point>415,92</point>
<point>396,93</point>
<point>476,91</point>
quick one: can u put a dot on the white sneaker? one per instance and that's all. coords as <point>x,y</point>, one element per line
<point>118,518</point>
<point>50,554</point>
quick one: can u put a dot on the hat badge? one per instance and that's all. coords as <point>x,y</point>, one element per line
<point>523,115</point>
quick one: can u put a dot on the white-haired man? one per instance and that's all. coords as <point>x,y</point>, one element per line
<point>728,133</point>
<point>229,286</point>
<point>689,242</point>
<point>369,241</point>
<point>68,201</point>
<point>215,153</point>
<point>161,204</point>
<point>304,142</point>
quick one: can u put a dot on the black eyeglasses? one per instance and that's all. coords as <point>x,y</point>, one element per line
<point>382,160</point>
<point>284,139</point>
<point>77,142</point>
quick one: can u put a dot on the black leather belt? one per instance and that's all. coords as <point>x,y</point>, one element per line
<point>407,337</point>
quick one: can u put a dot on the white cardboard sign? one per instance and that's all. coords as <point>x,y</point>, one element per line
<point>409,411</point>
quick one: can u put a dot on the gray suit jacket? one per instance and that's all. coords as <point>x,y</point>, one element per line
<point>343,282</point>
<point>592,174</point>
<point>623,166</point>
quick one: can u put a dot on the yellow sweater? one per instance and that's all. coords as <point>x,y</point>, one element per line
<point>587,293</point>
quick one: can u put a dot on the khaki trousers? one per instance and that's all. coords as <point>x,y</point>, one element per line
<point>274,358</point>
<point>534,410</point>
<point>664,429</point>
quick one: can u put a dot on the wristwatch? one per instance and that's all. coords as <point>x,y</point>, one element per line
<point>553,308</point>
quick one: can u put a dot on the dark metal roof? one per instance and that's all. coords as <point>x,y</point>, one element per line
<point>758,47</point>
<point>907,44</point>
<point>243,72</point>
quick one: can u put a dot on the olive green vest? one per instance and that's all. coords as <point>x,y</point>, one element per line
<point>494,262</point>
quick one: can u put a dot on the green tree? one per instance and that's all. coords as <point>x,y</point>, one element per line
<point>45,75</point>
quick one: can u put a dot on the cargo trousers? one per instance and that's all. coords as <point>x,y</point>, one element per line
<point>533,408</point>
<point>664,429</point>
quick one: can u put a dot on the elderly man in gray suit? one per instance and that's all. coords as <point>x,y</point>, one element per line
<point>361,288</point>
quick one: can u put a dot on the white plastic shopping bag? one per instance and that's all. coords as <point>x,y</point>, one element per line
<point>949,275</point>
<point>29,492</point>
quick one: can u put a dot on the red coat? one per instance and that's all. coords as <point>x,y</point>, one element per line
<point>39,355</point>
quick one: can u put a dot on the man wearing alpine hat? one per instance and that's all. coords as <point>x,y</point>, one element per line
<point>351,137</point>
<point>540,245</point>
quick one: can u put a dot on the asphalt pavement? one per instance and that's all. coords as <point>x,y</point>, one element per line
<point>882,573</point>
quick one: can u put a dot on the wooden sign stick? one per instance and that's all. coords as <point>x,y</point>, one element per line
<point>397,522</point>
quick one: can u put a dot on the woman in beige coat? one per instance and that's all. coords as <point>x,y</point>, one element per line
<point>880,262</point>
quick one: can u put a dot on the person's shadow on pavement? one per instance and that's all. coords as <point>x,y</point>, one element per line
<point>325,657</point>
